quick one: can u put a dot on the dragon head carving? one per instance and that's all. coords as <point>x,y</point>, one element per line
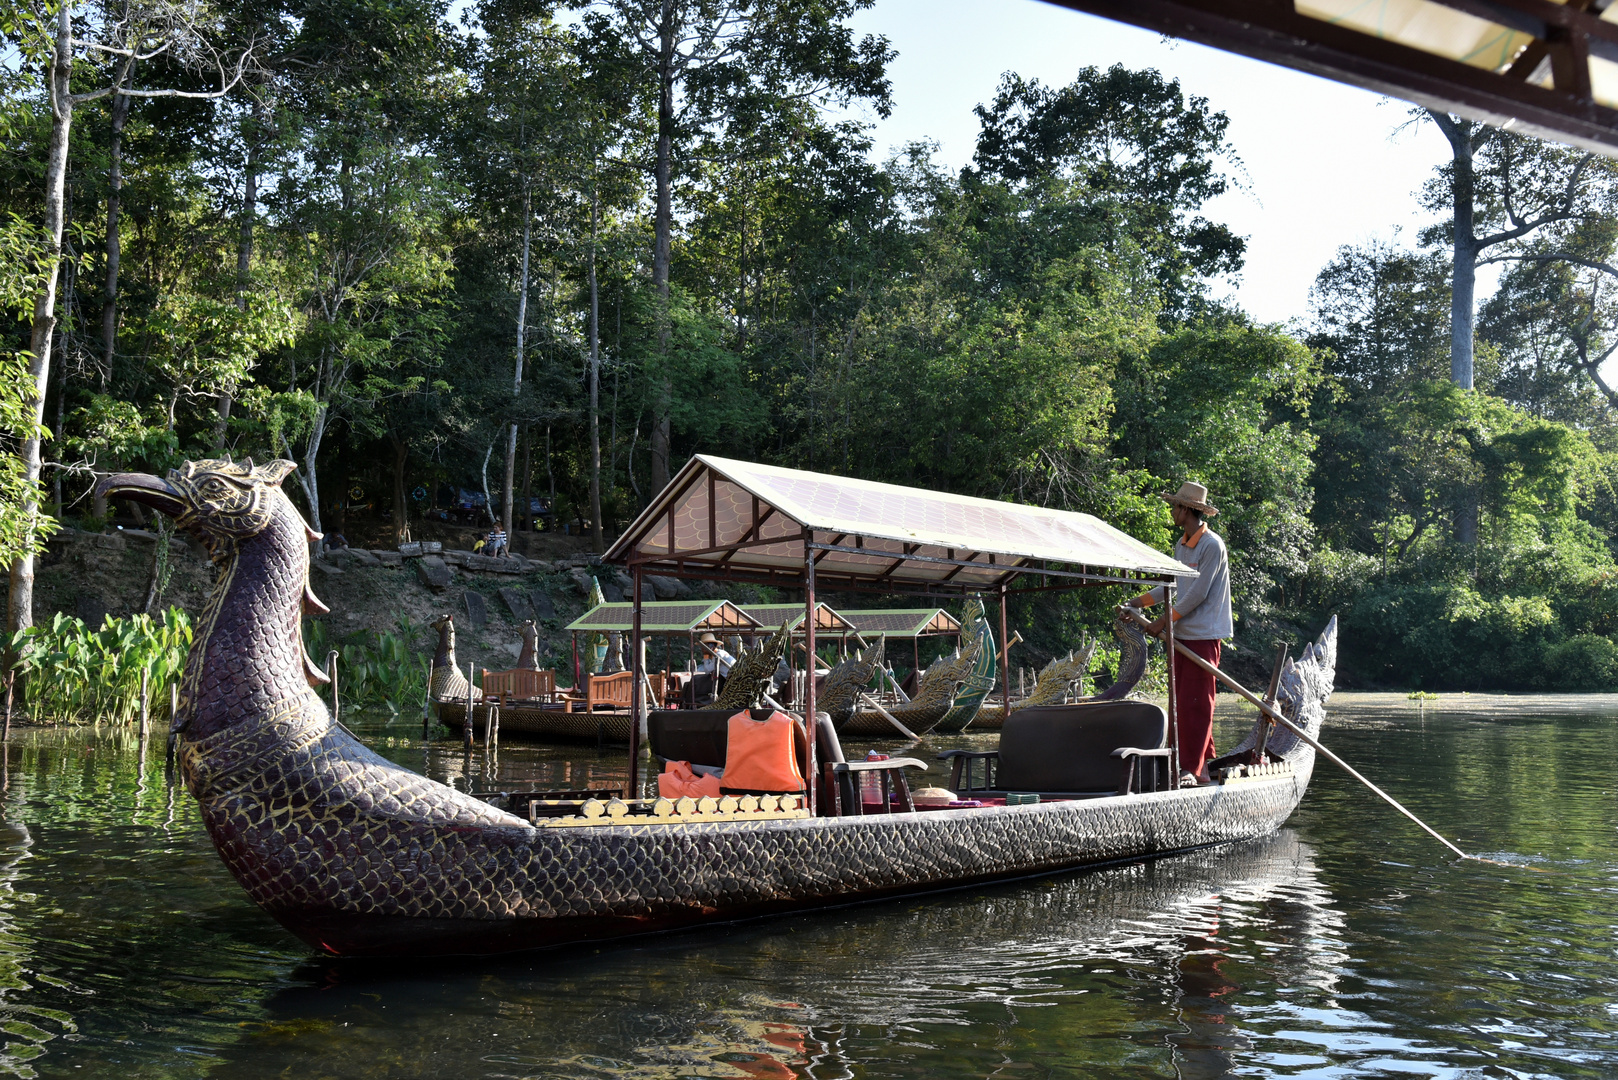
<point>220,502</point>
<point>226,505</point>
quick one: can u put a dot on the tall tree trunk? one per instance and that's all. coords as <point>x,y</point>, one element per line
<point>401,508</point>
<point>527,477</point>
<point>20,608</point>
<point>244,255</point>
<point>308,479</point>
<point>1463,285</point>
<point>550,471</point>
<point>115,187</point>
<point>1463,291</point>
<point>663,230</point>
<point>488,503</point>
<point>597,539</point>
<point>516,381</point>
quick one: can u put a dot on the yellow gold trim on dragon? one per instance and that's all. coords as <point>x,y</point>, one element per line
<point>683,811</point>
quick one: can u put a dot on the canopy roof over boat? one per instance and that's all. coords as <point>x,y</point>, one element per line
<point>668,617</point>
<point>1540,67</point>
<point>902,622</point>
<point>771,616</point>
<point>738,520</point>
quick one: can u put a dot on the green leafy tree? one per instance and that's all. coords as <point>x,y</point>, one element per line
<point>715,66</point>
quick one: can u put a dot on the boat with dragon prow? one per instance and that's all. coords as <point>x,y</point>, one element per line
<point>981,677</point>
<point>1061,682</point>
<point>359,856</point>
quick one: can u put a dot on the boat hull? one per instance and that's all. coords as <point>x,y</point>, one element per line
<point>540,887</point>
<point>534,722</point>
<point>870,724</point>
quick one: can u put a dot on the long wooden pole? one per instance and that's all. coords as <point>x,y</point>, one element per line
<point>889,717</point>
<point>1276,715</point>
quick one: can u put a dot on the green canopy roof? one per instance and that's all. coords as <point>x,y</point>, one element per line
<point>667,617</point>
<point>771,616</point>
<point>903,622</point>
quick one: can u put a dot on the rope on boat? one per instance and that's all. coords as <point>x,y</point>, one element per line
<point>1275,714</point>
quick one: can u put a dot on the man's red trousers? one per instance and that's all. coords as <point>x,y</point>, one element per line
<point>1194,705</point>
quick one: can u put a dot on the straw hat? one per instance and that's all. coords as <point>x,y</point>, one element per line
<point>1193,495</point>
<point>710,638</point>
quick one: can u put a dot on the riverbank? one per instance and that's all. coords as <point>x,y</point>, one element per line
<point>92,575</point>
<point>1350,705</point>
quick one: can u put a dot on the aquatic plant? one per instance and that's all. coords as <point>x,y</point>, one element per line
<point>71,673</point>
<point>374,667</point>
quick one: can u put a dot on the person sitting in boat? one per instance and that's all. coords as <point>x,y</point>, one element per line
<point>1202,618</point>
<point>718,662</point>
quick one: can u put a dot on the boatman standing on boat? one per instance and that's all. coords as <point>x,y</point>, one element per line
<point>1202,619</point>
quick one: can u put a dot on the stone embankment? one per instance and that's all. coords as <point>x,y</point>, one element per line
<point>91,575</point>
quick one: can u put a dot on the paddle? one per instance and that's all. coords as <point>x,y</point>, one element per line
<point>1275,714</point>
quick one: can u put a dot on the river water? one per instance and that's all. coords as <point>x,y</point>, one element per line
<point>1347,945</point>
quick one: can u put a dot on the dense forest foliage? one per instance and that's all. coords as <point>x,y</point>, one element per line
<point>549,253</point>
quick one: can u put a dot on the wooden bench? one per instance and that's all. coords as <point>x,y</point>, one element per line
<point>519,685</point>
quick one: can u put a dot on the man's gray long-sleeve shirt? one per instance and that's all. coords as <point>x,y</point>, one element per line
<point>1202,603</point>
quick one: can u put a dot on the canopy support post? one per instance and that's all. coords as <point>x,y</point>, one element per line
<point>636,695</point>
<point>1005,654</point>
<point>809,704</point>
<point>1168,654</point>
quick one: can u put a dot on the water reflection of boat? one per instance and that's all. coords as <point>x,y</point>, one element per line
<point>959,963</point>
<point>359,856</point>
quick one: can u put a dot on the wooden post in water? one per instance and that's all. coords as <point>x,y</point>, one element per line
<point>11,686</point>
<point>471,716</point>
<point>427,704</point>
<point>145,703</point>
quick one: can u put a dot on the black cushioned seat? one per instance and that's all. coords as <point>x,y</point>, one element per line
<point>1093,748</point>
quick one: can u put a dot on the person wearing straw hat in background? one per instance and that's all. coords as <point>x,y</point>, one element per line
<point>718,663</point>
<point>1202,618</point>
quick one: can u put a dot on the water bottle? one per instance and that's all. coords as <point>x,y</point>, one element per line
<point>871,783</point>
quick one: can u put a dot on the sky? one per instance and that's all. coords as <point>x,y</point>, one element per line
<point>1326,164</point>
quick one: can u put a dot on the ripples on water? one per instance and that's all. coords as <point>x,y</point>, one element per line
<point>1345,946</point>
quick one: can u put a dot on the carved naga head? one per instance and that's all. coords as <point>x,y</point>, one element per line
<point>218,501</point>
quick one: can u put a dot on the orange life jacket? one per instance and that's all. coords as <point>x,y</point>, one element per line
<point>679,779</point>
<point>762,755</point>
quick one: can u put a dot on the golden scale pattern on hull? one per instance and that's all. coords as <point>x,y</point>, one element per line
<point>359,856</point>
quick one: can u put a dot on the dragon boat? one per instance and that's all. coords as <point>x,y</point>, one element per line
<point>454,700</point>
<point>359,856</point>
<point>1060,680</point>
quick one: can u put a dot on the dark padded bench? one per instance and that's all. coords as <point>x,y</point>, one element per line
<point>1070,751</point>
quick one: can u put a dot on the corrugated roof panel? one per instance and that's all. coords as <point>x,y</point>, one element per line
<point>753,517</point>
<point>665,617</point>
